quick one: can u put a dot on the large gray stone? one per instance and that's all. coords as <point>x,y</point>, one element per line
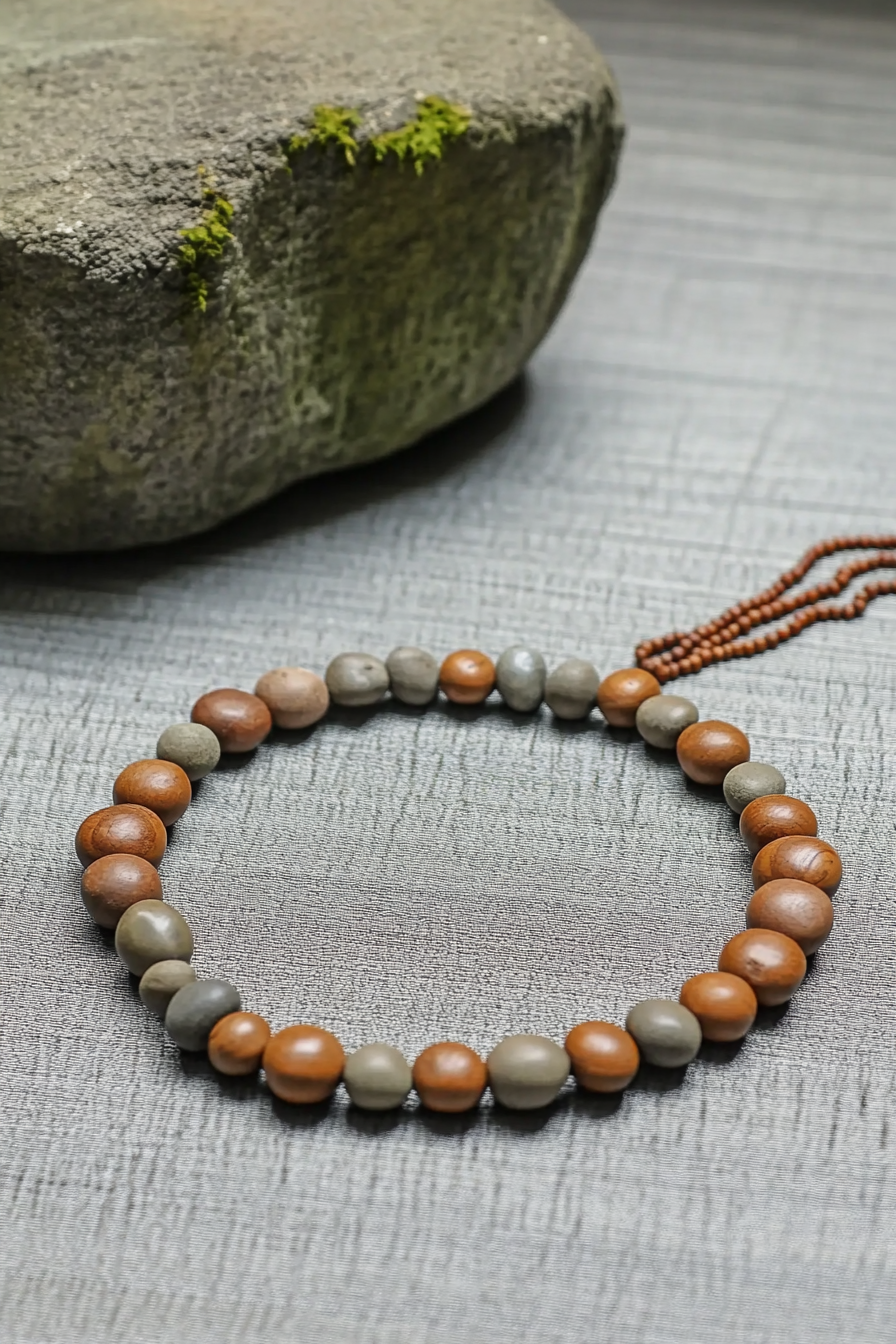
<point>355,309</point>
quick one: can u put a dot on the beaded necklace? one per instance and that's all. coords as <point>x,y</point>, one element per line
<point>794,872</point>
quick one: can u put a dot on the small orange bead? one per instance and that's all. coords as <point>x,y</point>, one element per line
<point>237,1042</point>
<point>774,815</point>
<point>804,857</point>
<point>467,677</point>
<point>125,829</point>
<point>801,911</point>
<point>620,694</point>
<point>239,721</point>
<point>303,1064</point>
<point>708,750</point>
<point>161,786</point>
<point>449,1077</point>
<point>604,1057</point>
<point>725,1005</point>
<point>773,964</point>
<point>112,884</point>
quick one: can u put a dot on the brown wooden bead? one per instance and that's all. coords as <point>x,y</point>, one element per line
<point>161,786</point>
<point>725,1005</point>
<point>296,697</point>
<point>708,750</point>
<point>239,721</point>
<point>449,1077</point>
<point>467,677</point>
<point>125,829</point>
<point>303,1064</point>
<point>113,883</point>
<point>604,1057</point>
<point>769,961</point>
<point>237,1042</point>
<point>804,857</point>
<point>774,815</point>
<point>800,910</point>
<point>620,694</point>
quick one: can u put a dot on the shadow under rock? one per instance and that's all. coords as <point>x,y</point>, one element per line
<point>651,1078</point>
<point>306,504</point>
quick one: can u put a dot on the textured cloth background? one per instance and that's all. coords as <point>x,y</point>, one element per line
<point>718,395</point>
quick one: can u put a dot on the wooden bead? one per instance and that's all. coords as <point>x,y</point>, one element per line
<point>125,829</point>
<point>768,818</point>
<point>708,750</point>
<point>620,694</point>
<point>112,884</point>
<point>725,1005</point>
<point>296,697</point>
<point>161,786</point>
<point>239,721</point>
<point>773,964</point>
<point>467,677</point>
<point>804,857</point>
<point>796,908</point>
<point>303,1064</point>
<point>237,1042</point>
<point>604,1057</point>
<point>449,1077</point>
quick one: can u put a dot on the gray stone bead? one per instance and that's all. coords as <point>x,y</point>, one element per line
<point>152,931</point>
<point>571,688</point>
<point>413,674</point>
<point>527,1071</point>
<point>161,982</point>
<point>377,1077</point>
<point>520,675</point>
<point>667,1033</point>
<point>749,781</point>
<point>663,718</point>
<point>192,746</point>
<point>356,679</point>
<point>196,1008</point>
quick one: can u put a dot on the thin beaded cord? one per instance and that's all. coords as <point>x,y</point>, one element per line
<point>681,653</point>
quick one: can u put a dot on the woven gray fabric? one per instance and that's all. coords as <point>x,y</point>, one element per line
<point>718,396</point>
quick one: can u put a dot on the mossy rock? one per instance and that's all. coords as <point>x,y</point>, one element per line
<point>243,243</point>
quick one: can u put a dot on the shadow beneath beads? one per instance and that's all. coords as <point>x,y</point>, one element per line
<point>622,737</point>
<point>301,1116</point>
<point>198,1065</point>
<point>595,1105</point>
<point>768,1018</point>
<point>374,1123</point>
<point>444,1125</point>
<point>235,760</point>
<point>292,737</point>
<point>577,727</point>
<point>719,1052</point>
<point>520,1122</point>
<point>651,1078</point>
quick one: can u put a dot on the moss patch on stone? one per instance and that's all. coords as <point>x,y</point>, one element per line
<point>332,126</point>
<point>423,140</point>
<point>204,246</point>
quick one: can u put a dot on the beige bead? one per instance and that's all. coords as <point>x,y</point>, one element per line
<point>296,697</point>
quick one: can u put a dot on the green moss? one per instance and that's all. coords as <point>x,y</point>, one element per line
<point>204,246</point>
<point>423,139</point>
<point>332,126</point>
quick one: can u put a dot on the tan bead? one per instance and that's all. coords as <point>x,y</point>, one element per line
<point>775,815</point>
<point>237,1042</point>
<point>449,1077</point>
<point>303,1064</point>
<point>296,697</point>
<point>708,750</point>
<point>773,964</point>
<point>804,857</point>
<point>467,677</point>
<point>796,908</point>
<point>604,1057</point>
<point>239,721</point>
<point>125,829</point>
<point>620,694</point>
<point>161,786</point>
<point>112,884</point>
<point>724,1005</point>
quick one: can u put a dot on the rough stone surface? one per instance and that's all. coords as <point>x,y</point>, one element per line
<point>356,309</point>
<point>745,783</point>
